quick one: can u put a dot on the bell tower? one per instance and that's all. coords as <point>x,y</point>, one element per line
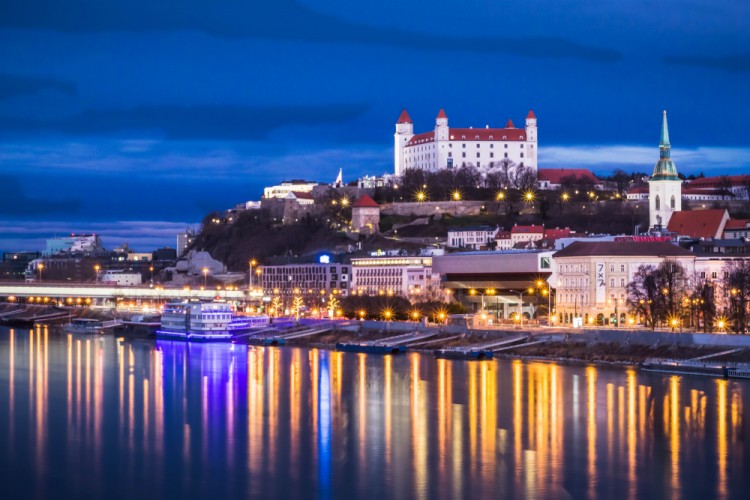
<point>664,187</point>
<point>404,132</point>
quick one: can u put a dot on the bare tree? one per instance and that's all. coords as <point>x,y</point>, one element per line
<point>724,185</point>
<point>736,284</point>
<point>524,178</point>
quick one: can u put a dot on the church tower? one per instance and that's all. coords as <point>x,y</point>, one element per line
<point>531,140</point>
<point>664,187</point>
<point>404,132</point>
<point>441,140</point>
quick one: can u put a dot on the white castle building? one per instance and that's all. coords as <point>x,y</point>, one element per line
<point>447,147</point>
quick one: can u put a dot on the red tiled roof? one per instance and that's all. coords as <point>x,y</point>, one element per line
<point>555,175</point>
<point>404,117</point>
<point>365,202</point>
<point>554,234</point>
<point>713,182</point>
<point>421,138</point>
<point>441,113</point>
<point>303,196</point>
<point>527,229</point>
<point>509,124</point>
<point>697,223</point>
<point>638,190</point>
<point>503,235</point>
<point>531,114</point>
<point>716,192</point>
<point>736,224</point>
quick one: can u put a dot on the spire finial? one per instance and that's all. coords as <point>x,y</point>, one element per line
<point>664,131</point>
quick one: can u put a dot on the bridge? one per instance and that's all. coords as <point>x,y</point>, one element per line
<point>102,293</point>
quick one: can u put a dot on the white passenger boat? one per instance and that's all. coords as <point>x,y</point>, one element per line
<point>205,322</point>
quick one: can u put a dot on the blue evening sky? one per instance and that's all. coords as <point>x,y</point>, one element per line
<point>134,119</point>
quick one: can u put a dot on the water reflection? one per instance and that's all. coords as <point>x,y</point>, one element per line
<point>103,416</point>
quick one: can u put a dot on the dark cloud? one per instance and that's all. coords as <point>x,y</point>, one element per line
<point>15,202</point>
<point>737,63</point>
<point>277,20</point>
<point>14,85</point>
<point>189,122</point>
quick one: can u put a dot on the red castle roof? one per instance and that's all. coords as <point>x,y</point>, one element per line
<point>509,124</point>
<point>531,114</point>
<point>555,175</point>
<point>441,113</point>
<point>404,117</point>
<point>365,202</point>
<point>473,134</point>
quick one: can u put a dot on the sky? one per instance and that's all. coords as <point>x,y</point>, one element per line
<point>135,119</point>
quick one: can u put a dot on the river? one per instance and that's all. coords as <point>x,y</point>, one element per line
<point>105,417</point>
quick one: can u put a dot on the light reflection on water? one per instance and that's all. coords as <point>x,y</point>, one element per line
<point>87,416</point>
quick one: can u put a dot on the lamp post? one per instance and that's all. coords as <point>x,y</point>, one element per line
<point>520,305</point>
<point>205,276</point>
<point>96,272</point>
<point>40,267</point>
<point>251,264</point>
<point>540,284</point>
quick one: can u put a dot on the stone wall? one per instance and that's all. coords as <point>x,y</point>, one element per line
<point>427,208</point>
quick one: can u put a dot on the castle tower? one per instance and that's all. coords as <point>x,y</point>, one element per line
<point>404,132</point>
<point>442,133</point>
<point>664,187</point>
<point>531,140</point>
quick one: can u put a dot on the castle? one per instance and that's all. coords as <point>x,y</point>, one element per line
<point>447,147</point>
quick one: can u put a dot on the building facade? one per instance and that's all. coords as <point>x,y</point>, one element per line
<point>366,215</point>
<point>283,189</point>
<point>406,276</point>
<point>306,279</point>
<point>592,278</point>
<point>475,237</point>
<point>446,147</point>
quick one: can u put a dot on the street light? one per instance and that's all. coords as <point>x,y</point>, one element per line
<point>40,267</point>
<point>205,276</point>
<point>96,272</point>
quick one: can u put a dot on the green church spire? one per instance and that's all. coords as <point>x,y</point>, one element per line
<point>665,168</point>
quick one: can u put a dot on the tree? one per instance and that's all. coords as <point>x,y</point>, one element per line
<point>736,284</point>
<point>656,293</point>
<point>701,304</point>
<point>644,295</point>
<point>621,180</point>
<point>724,185</point>
<point>524,178</point>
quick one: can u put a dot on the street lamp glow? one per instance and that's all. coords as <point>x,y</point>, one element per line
<point>565,197</point>
<point>529,196</point>
<point>421,196</point>
<point>500,196</point>
<point>456,195</point>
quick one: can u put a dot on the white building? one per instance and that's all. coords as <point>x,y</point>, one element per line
<point>523,234</point>
<point>406,276</point>
<point>306,279</point>
<point>664,187</point>
<point>73,244</point>
<point>121,277</point>
<point>591,278</point>
<point>475,237</point>
<point>301,197</point>
<point>446,147</point>
<point>283,189</point>
<point>184,240</point>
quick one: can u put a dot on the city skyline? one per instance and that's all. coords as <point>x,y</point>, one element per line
<point>122,116</point>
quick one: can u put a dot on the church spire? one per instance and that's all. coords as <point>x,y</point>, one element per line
<point>665,167</point>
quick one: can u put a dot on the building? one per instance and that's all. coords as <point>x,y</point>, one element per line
<point>592,277</point>
<point>372,182</point>
<point>366,215</point>
<point>283,189</point>
<point>734,187</point>
<point>737,228</point>
<point>446,147</point>
<point>665,188</point>
<point>497,282</point>
<point>184,241</point>
<point>555,178</point>
<point>637,193</point>
<point>699,223</point>
<point>503,241</point>
<point>306,279</point>
<point>73,244</point>
<point>301,197</point>
<point>407,276</point>
<point>522,234</point>
<point>121,277</point>
<point>15,263</point>
<point>474,237</point>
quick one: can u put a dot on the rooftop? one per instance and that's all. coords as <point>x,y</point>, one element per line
<point>622,249</point>
<point>697,223</point>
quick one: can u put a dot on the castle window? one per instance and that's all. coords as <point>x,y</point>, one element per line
<point>450,145</point>
<point>520,164</point>
<point>521,139</point>
<point>463,155</point>
<point>657,203</point>
<point>450,154</point>
<point>505,138</point>
<point>463,137</point>
<point>492,155</point>
<point>521,155</point>
<point>671,203</point>
<point>477,138</point>
<point>491,138</point>
<point>477,155</point>
<point>506,155</point>
<point>464,144</point>
<point>521,146</point>
<point>477,144</point>
<point>506,146</point>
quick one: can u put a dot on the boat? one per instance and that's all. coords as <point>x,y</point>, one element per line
<point>205,322</point>
<point>84,325</point>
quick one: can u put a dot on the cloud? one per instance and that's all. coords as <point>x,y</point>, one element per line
<point>739,63</point>
<point>189,122</point>
<point>143,235</point>
<point>711,160</point>
<point>275,20</point>
<point>16,85</point>
<point>15,202</point>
